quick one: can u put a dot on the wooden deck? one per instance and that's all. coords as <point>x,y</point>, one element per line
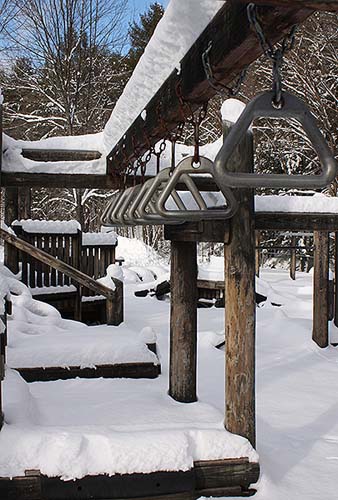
<point>230,477</point>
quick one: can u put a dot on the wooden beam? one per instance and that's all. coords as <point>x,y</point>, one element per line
<point>122,370</point>
<point>320,331</point>
<point>37,180</point>
<point>183,321</point>
<point>322,5</point>
<point>56,155</point>
<point>235,46</point>
<point>240,307</point>
<point>287,221</point>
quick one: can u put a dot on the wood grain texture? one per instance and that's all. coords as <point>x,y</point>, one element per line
<point>235,46</point>
<point>295,221</point>
<point>55,155</point>
<point>240,307</point>
<point>230,477</point>
<point>183,321</point>
<point>122,370</point>
<point>321,5</point>
<point>320,330</point>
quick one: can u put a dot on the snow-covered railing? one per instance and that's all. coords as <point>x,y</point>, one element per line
<point>114,297</point>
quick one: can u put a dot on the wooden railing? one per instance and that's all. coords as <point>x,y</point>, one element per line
<point>114,298</point>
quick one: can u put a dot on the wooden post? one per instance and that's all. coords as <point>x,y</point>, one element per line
<point>183,321</point>
<point>320,332</point>
<point>11,258</point>
<point>293,260</point>
<point>114,306</point>
<point>258,253</point>
<point>24,203</point>
<point>240,306</point>
<point>335,320</point>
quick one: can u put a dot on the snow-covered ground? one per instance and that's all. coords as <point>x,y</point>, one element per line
<point>56,426</point>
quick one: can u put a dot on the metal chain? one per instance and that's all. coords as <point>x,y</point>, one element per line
<point>218,86</point>
<point>275,55</point>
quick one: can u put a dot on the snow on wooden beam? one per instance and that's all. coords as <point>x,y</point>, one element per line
<point>323,5</point>
<point>235,46</point>
<point>56,155</point>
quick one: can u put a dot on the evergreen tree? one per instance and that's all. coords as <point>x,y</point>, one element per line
<point>140,32</point>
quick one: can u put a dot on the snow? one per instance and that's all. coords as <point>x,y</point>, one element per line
<point>13,161</point>
<point>176,32</point>
<point>128,425</point>
<point>99,239</point>
<point>318,203</point>
<point>231,110</point>
<point>38,336</point>
<point>48,226</point>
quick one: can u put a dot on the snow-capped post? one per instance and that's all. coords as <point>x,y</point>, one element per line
<point>240,306</point>
<point>293,260</point>
<point>183,321</point>
<point>114,306</point>
<point>320,332</point>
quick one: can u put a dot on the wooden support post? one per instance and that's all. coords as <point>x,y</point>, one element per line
<point>240,306</point>
<point>293,260</point>
<point>11,258</point>
<point>24,203</point>
<point>114,306</point>
<point>183,321</point>
<point>336,280</point>
<point>258,253</point>
<point>320,332</point>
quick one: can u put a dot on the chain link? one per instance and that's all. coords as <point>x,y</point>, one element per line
<point>218,86</point>
<point>275,55</point>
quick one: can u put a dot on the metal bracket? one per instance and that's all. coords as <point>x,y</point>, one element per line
<point>262,106</point>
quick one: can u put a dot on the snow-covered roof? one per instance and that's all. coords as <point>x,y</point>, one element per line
<point>176,32</point>
<point>99,238</point>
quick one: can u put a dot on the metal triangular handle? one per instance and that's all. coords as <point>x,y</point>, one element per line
<point>182,174</point>
<point>261,106</point>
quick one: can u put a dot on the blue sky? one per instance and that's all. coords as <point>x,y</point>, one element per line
<point>140,6</point>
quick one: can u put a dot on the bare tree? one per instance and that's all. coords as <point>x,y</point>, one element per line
<point>69,59</point>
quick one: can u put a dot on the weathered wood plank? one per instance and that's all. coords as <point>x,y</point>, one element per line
<point>183,321</point>
<point>125,370</point>
<point>212,474</point>
<point>240,310</point>
<point>235,46</point>
<point>294,221</point>
<point>203,231</point>
<point>320,331</point>
<point>321,5</point>
<point>56,155</point>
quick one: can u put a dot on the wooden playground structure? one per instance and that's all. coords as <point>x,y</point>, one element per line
<point>235,45</point>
